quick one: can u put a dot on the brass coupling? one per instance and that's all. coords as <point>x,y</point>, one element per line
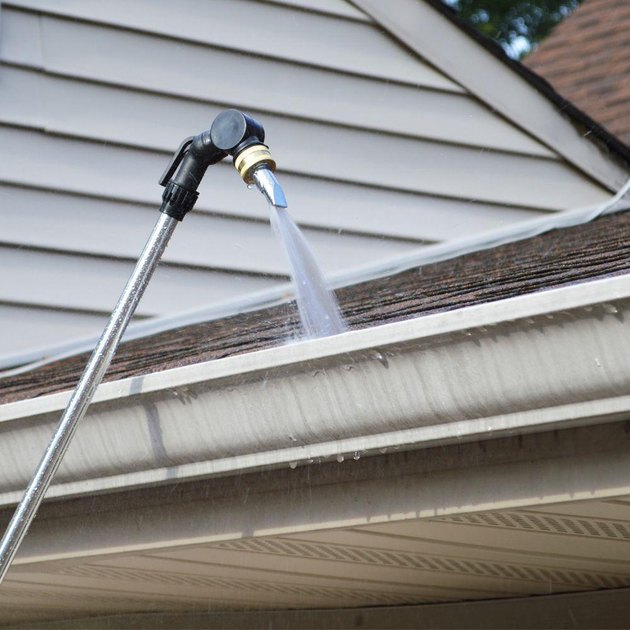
<point>251,158</point>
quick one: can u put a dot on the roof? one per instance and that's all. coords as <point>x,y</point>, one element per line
<point>570,255</point>
<point>587,60</point>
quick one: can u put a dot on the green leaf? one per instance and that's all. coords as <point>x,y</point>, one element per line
<point>518,25</point>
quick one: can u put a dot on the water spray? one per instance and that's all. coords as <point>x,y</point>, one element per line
<point>232,134</point>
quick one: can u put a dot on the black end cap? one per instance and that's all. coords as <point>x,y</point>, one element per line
<point>231,127</point>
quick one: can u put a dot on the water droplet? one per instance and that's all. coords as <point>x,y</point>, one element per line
<point>356,456</point>
<point>610,308</point>
<point>293,439</point>
<point>380,358</point>
<point>293,465</point>
<point>598,362</point>
<point>340,458</point>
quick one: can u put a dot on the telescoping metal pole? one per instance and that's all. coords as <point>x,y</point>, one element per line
<point>82,396</point>
<point>232,133</point>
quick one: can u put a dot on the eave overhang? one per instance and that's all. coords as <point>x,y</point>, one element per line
<point>549,360</point>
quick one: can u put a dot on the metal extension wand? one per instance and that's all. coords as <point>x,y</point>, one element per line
<point>232,133</point>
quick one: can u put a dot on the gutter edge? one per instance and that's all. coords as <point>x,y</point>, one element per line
<point>374,338</point>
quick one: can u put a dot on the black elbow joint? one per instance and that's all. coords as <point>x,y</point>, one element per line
<point>242,137</point>
<point>232,133</point>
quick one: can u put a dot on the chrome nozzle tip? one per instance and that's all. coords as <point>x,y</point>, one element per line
<point>268,185</point>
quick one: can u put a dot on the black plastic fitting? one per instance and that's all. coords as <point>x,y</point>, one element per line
<point>230,133</point>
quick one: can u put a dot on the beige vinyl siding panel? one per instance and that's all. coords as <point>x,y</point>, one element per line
<point>257,28</point>
<point>94,283</point>
<point>40,219</point>
<point>413,166</point>
<point>338,205</point>
<point>333,7</point>
<point>94,98</point>
<point>328,151</point>
<point>413,219</point>
<point>456,119</point>
<point>417,172</point>
<point>43,326</point>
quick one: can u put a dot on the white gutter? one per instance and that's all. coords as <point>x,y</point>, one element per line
<point>552,359</point>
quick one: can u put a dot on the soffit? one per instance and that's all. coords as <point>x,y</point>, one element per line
<point>560,548</point>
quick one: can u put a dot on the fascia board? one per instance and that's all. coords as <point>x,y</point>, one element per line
<point>553,359</point>
<point>427,32</point>
<point>587,464</point>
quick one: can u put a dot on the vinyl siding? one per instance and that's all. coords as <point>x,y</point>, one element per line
<point>378,152</point>
<point>20,322</point>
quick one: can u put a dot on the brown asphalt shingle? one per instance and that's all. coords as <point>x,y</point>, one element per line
<point>560,257</point>
<point>587,60</point>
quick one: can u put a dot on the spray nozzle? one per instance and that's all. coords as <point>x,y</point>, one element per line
<point>268,185</point>
<point>232,133</point>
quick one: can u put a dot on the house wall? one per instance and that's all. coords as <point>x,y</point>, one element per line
<point>379,152</point>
